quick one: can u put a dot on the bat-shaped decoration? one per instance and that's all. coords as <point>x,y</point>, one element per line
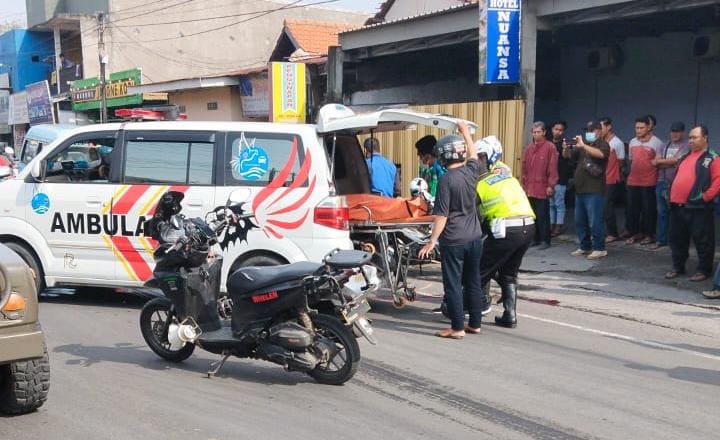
<point>237,232</point>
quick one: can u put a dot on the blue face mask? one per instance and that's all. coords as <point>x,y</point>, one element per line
<point>590,137</point>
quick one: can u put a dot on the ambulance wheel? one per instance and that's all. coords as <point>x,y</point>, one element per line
<point>31,260</point>
<point>258,260</point>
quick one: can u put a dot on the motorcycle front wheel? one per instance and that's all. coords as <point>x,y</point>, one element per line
<point>343,365</point>
<point>153,319</point>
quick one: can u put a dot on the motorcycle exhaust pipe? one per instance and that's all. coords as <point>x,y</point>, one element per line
<point>186,332</point>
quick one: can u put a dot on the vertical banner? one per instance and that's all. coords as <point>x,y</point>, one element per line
<point>39,106</point>
<point>4,111</point>
<point>287,88</point>
<point>18,109</point>
<point>500,41</point>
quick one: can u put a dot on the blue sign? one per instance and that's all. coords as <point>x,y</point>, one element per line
<point>40,109</point>
<point>503,42</point>
<point>40,203</point>
<point>252,163</point>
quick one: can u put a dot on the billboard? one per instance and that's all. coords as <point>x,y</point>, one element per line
<point>255,96</point>
<point>39,106</point>
<point>85,93</point>
<point>287,86</point>
<point>18,109</point>
<point>500,26</point>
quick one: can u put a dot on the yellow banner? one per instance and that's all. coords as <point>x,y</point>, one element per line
<point>288,92</point>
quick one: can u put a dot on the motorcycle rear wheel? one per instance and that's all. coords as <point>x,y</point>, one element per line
<point>152,326</point>
<point>331,372</point>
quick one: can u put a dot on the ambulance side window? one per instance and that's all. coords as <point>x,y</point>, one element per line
<point>257,159</point>
<point>169,161</point>
<point>84,159</point>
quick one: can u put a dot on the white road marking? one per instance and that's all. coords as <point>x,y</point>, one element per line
<point>623,337</point>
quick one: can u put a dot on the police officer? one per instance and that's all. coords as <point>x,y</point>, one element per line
<point>509,220</point>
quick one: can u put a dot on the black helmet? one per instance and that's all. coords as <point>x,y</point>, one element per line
<point>169,204</point>
<point>450,149</point>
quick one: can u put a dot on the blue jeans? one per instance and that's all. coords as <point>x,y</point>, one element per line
<point>453,259</point>
<point>663,210</point>
<point>557,206</point>
<point>589,221</point>
<point>716,279</point>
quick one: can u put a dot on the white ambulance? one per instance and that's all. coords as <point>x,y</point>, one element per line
<point>75,213</point>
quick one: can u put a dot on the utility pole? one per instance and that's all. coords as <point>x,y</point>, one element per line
<point>102,56</point>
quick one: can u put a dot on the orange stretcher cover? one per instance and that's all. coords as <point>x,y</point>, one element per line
<point>384,209</point>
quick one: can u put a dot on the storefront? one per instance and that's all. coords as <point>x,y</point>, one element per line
<point>87,98</point>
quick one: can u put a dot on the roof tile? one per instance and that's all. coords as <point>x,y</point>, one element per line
<point>315,36</point>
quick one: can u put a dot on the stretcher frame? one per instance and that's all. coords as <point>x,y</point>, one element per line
<point>385,235</point>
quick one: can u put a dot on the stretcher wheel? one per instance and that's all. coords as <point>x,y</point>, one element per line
<point>410,294</point>
<point>399,302</point>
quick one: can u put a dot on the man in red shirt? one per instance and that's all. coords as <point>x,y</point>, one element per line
<point>696,184</point>
<point>641,199</point>
<point>539,177</point>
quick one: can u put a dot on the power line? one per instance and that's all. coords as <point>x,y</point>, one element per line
<point>221,16</point>
<point>231,24</point>
<point>186,64</point>
<point>164,8</point>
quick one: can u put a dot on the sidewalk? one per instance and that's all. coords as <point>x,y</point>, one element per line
<point>628,284</point>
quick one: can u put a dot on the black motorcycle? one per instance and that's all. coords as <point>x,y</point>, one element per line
<point>301,316</point>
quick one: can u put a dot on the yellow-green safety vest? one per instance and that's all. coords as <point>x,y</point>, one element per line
<point>501,195</point>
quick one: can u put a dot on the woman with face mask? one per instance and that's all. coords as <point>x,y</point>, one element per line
<point>591,153</point>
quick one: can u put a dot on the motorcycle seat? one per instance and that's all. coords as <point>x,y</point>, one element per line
<point>256,278</point>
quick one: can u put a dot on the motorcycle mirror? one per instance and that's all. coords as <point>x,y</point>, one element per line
<point>238,196</point>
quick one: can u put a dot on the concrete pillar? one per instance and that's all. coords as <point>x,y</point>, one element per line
<point>528,62</point>
<point>58,51</point>
<point>335,75</point>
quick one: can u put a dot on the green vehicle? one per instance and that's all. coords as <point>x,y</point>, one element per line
<point>24,363</point>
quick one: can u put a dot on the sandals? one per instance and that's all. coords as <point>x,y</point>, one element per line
<point>672,274</point>
<point>647,240</point>
<point>472,330</point>
<point>450,334</point>
<point>611,239</point>
<point>698,277</point>
<point>634,239</point>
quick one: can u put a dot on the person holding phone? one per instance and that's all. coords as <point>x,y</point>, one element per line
<point>591,153</point>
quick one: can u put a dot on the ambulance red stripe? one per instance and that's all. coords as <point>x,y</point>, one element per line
<point>133,257</point>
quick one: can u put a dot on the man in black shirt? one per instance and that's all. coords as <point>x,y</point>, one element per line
<point>458,229</point>
<point>565,170</point>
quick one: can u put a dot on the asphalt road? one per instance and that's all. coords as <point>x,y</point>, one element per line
<point>562,374</point>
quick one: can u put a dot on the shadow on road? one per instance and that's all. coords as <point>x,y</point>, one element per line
<point>688,374</point>
<point>127,353</point>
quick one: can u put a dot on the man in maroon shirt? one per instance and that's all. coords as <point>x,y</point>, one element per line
<point>696,184</point>
<point>539,177</point>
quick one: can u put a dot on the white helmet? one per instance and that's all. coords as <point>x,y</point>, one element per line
<point>492,147</point>
<point>418,186</point>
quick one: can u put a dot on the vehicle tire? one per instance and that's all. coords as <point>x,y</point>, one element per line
<point>152,327</point>
<point>24,385</point>
<point>258,260</point>
<point>346,342</point>
<point>31,260</point>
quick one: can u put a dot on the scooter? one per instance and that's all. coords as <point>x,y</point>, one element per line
<point>302,316</point>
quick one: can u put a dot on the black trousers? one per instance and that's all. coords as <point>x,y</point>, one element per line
<point>695,224</point>
<point>642,210</point>
<point>612,194</point>
<point>501,259</point>
<point>541,207</point>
